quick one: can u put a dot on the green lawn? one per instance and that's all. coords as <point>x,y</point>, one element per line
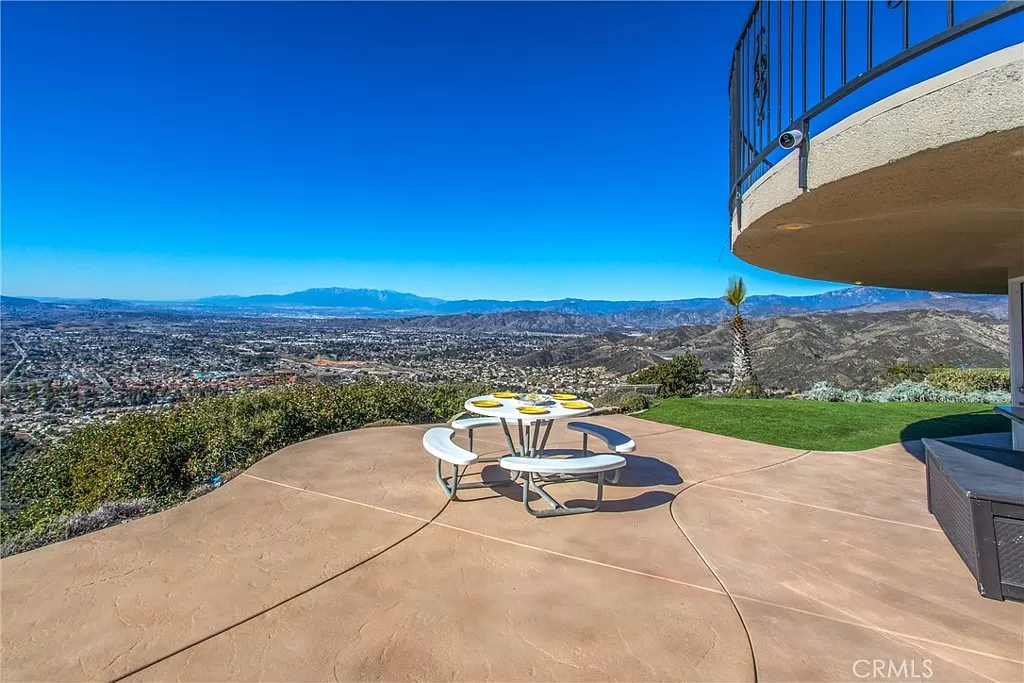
<point>821,426</point>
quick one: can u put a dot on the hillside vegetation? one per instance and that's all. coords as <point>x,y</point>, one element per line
<point>163,458</point>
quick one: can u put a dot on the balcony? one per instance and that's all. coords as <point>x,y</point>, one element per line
<point>910,170</point>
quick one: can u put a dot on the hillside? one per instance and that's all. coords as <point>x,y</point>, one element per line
<point>20,307</point>
<point>793,352</point>
<point>988,305</point>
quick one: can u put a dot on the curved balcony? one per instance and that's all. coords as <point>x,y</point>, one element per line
<point>900,180</point>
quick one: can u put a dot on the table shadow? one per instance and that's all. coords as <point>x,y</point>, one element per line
<point>644,501</point>
<point>641,471</point>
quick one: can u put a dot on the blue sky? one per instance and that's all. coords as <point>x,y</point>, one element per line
<point>523,150</point>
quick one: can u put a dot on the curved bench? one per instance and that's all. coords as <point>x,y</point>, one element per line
<point>614,439</point>
<point>590,464</point>
<point>468,424</point>
<point>438,442</point>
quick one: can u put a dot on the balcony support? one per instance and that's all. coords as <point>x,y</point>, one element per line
<point>1016,320</point>
<point>804,150</point>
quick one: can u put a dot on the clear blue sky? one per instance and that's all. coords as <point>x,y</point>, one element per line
<point>530,150</point>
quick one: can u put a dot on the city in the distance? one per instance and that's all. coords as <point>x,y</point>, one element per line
<point>68,362</point>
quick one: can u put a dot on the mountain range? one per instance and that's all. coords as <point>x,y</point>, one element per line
<point>404,304</point>
<point>560,315</point>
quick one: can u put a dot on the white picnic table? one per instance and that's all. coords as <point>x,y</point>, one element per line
<point>529,426</point>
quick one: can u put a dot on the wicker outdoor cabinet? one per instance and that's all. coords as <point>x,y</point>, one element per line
<point>976,494</point>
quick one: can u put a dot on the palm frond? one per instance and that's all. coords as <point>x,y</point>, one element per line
<point>736,292</point>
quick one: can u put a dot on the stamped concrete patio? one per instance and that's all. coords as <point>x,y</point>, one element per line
<point>340,559</point>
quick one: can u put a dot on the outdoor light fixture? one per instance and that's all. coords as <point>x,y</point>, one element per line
<point>792,226</point>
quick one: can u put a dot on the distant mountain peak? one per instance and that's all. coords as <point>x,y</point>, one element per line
<point>330,297</point>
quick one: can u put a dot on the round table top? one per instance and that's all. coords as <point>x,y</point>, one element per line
<point>507,409</point>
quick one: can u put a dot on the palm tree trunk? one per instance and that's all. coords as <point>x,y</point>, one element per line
<point>742,371</point>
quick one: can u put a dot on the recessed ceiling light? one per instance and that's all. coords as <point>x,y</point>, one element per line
<point>792,226</point>
<point>857,282</point>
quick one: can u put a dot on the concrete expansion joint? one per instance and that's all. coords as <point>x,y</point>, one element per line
<point>827,509</point>
<point>425,523</point>
<point>718,579</point>
<point>850,620</point>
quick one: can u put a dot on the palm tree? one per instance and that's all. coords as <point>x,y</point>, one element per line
<point>743,377</point>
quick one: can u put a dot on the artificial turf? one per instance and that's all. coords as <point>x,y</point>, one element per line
<point>823,426</point>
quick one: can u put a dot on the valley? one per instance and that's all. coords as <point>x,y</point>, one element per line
<point>68,364</point>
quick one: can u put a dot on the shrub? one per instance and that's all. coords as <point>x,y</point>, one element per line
<point>823,391</point>
<point>920,391</point>
<point>914,392</point>
<point>987,397</point>
<point>747,389</point>
<point>904,392</point>
<point>64,528</point>
<point>108,514</point>
<point>162,457</point>
<point>682,376</point>
<point>382,423</point>
<point>612,397</point>
<point>634,402</point>
<point>966,380</point>
<point>904,371</point>
<point>448,400</point>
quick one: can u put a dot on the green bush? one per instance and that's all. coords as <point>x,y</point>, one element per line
<point>611,397</point>
<point>682,376</point>
<point>903,372</point>
<point>634,402</point>
<point>966,380</point>
<point>448,400</point>
<point>163,456</point>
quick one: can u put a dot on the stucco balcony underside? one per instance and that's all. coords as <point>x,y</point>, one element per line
<point>924,190</point>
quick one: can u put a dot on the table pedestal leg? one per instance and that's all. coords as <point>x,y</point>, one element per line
<point>530,446</point>
<point>508,439</point>
<point>547,433</point>
<point>511,446</point>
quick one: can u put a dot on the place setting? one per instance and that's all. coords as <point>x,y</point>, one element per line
<point>529,404</point>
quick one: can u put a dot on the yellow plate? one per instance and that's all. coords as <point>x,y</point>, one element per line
<point>532,410</point>
<point>563,397</point>
<point>487,404</point>
<point>575,405</point>
<point>505,394</point>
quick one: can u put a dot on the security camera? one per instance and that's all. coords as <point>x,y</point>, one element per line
<point>791,138</point>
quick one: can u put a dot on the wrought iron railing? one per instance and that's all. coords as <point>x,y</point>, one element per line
<point>787,68</point>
